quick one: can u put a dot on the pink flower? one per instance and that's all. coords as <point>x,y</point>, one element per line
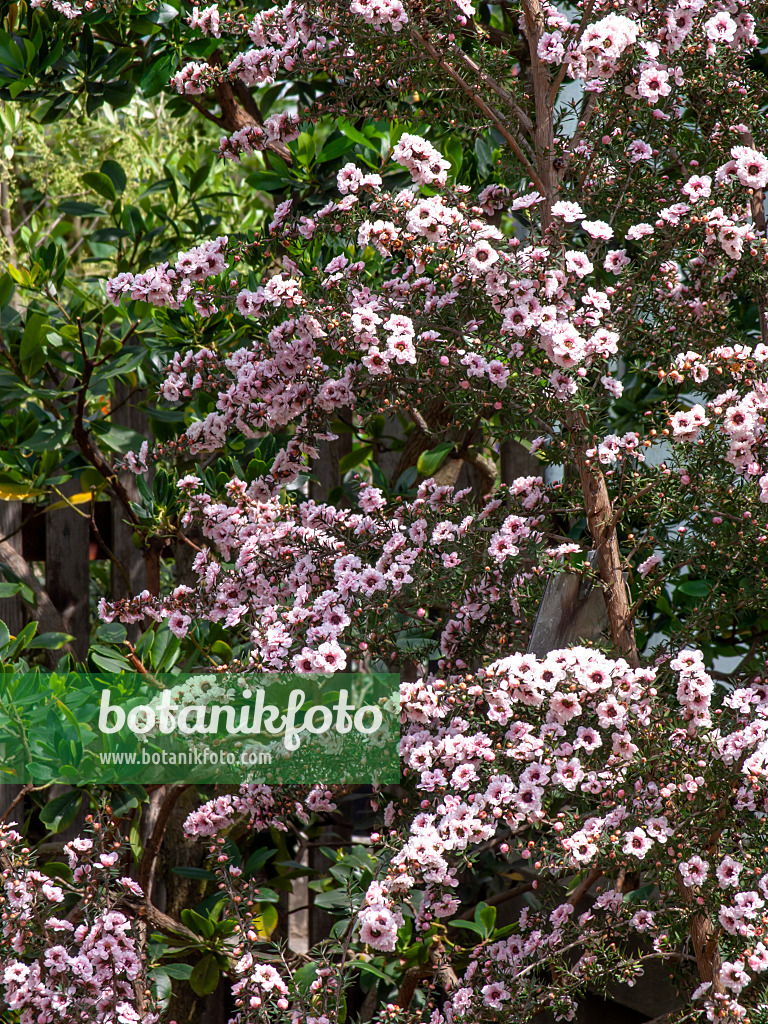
<point>642,921</point>
<point>721,28</point>
<point>598,229</point>
<point>612,386</point>
<point>330,657</point>
<point>638,231</point>
<point>179,623</point>
<point>693,871</point>
<point>349,179</point>
<point>529,199</point>
<point>577,263</point>
<point>639,150</point>
<point>686,425</point>
<point>751,166</point>
<point>637,843</point>
<point>581,847</point>
<point>481,257</point>
<point>733,975</point>
<point>378,928</point>
<point>653,84</point>
<point>616,260</point>
<point>495,994</point>
<point>425,163</point>
<point>698,187</point>
<point>650,563</point>
<point>728,872</point>
<point>569,212</point>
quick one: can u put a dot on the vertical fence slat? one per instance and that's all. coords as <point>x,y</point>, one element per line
<point>11,608</point>
<point>127,414</point>
<point>517,461</point>
<point>67,568</point>
<point>12,614</point>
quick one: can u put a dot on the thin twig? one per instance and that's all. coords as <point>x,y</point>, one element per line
<point>490,112</point>
<point>563,70</point>
<point>17,800</point>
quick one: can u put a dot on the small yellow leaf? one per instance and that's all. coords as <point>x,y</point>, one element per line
<point>17,492</point>
<point>74,499</point>
<point>265,922</point>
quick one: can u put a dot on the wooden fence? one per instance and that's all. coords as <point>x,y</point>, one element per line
<point>52,550</point>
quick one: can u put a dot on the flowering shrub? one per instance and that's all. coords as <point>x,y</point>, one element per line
<point>604,301</point>
<point>70,953</point>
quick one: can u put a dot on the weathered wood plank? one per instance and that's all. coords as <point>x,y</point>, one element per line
<point>67,573</point>
<point>130,577</point>
<point>11,608</point>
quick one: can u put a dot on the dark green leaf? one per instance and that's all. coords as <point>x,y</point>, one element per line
<point>640,894</point>
<point>694,588</point>
<point>197,923</point>
<point>304,976</point>
<point>334,149</point>
<point>112,632</point>
<point>158,72</point>
<point>470,926</point>
<point>32,352</point>
<point>51,641</point>
<point>354,458</point>
<point>60,812</point>
<point>257,860</point>
<point>57,869</point>
<point>75,208</point>
<point>429,462</point>
<point>7,288</point>
<point>116,175</point>
<point>100,183</point>
<point>352,133</point>
<point>162,13</point>
<point>333,900</point>
<point>367,968</point>
<point>266,182</point>
<point>199,177</point>
<point>485,916</point>
<point>199,873</point>
<point>180,972</point>
<point>22,641</point>
<point>205,976</point>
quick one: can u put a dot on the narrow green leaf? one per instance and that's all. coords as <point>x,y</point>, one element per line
<point>205,976</point>
<point>179,972</point>
<point>60,812</point>
<point>75,208</point>
<point>352,133</point>
<point>116,174</point>
<point>100,183</point>
<point>429,462</point>
<point>354,458</point>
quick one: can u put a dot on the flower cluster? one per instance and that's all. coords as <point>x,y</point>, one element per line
<point>739,412</point>
<point>631,800</point>
<point>68,954</point>
<point>263,806</point>
<point>425,163</point>
<point>324,612</point>
<point>278,128</point>
<point>572,745</point>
